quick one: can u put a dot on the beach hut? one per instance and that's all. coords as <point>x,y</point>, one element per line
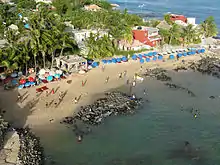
<point>160,57</point>
<point>147,59</point>
<point>154,58</point>
<point>134,57</point>
<point>141,60</point>
<point>171,57</point>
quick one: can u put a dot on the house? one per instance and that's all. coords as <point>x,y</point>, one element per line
<point>92,7</point>
<point>175,17</point>
<point>135,45</point>
<point>147,35</point>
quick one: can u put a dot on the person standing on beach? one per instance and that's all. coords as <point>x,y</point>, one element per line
<point>76,100</point>
<point>107,79</point>
<point>103,68</point>
<point>134,83</point>
<point>120,75</point>
<point>125,73</point>
<point>19,97</point>
<point>128,81</point>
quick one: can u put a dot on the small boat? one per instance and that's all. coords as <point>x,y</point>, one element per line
<point>79,138</point>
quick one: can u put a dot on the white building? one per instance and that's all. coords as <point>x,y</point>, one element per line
<point>191,21</point>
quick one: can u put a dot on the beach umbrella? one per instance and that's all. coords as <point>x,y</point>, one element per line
<point>124,59</point>
<point>26,26</point>
<point>171,57</point>
<point>14,82</point>
<point>42,72</point>
<point>114,60</point>
<point>22,81</point>
<point>179,55</point>
<point>134,57</point>
<point>49,78</point>
<point>32,83</point>
<point>41,77</point>
<point>118,60</point>
<point>140,56</point>
<point>14,75</point>
<point>154,58</point>
<point>31,79</point>
<point>141,60</point>
<point>185,54</point>
<point>109,61</point>
<point>59,71</point>
<point>51,73</point>
<point>160,57</point>
<point>3,76</point>
<point>27,84</point>
<point>189,53</point>
<point>104,61</point>
<point>147,59</point>
<point>154,53</point>
<point>150,54</point>
<point>21,86</point>
<point>20,74</point>
<point>57,75</point>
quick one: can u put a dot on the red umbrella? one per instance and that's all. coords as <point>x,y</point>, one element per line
<point>22,81</point>
<point>31,79</point>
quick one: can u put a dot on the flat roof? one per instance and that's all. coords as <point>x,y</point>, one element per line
<point>149,29</point>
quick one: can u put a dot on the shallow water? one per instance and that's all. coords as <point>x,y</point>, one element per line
<point>154,135</point>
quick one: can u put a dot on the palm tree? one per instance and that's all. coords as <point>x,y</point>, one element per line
<point>209,27</point>
<point>174,33</point>
<point>189,33</point>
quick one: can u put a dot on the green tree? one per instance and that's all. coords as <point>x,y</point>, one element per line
<point>167,19</point>
<point>209,27</point>
<point>25,4</point>
<point>174,33</point>
<point>189,34</point>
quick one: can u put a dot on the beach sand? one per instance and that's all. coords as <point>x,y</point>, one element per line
<point>37,114</point>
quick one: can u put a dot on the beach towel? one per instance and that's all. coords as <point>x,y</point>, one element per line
<point>44,81</point>
<point>39,90</point>
<point>44,88</point>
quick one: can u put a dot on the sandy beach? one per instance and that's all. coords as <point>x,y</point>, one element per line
<point>37,114</point>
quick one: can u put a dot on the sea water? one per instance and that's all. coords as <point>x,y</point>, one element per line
<point>200,9</point>
<point>155,134</point>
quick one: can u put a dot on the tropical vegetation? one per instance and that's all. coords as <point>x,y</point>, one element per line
<point>41,34</point>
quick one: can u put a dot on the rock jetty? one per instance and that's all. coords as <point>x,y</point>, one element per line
<point>31,152</point>
<point>208,65</point>
<point>158,73</point>
<point>174,86</point>
<point>114,103</point>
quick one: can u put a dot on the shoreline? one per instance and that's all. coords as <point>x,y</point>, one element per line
<point>94,88</point>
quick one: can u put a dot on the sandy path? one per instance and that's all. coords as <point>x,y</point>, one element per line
<point>40,115</point>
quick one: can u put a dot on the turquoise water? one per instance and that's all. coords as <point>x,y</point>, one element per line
<point>157,8</point>
<point>154,135</point>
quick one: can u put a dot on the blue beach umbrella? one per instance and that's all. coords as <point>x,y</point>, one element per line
<point>184,54</point>
<point>154,53</point>
<point>171,57</point>
<point>109,61</point>
<point>21,86</point>
<point>189,53</point>
<point>154,58</point>
<point>141,60</point>
<point>14,82</point>
<point>27,84</point>
<point>32,83</point>
<point>49,78</point>
<point>179,55</point>
<point>134,57</point>
<point>57,75</point>
<point>124,59</point>
<point>27,26</point>
<point>89,62</point>
<point>104,61</point>
<point>114,60</point>
<point>147,59</point>
<point>140,56</point>
<point>160,57</point>
<point>150,54</point>
<point>118,60</point>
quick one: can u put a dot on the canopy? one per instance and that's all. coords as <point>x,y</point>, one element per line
<point>31,79</point>
<point>42,71</point>
<point>22,81</point>
<point>14,75</point>
<point>49,78</point>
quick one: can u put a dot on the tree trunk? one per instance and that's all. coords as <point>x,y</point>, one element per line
<point>171,37</point>
<point>61,53</point>
<point>26,69</point>
<point>52,59</point>
<point>35,64</point>
<point>44,61</point>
